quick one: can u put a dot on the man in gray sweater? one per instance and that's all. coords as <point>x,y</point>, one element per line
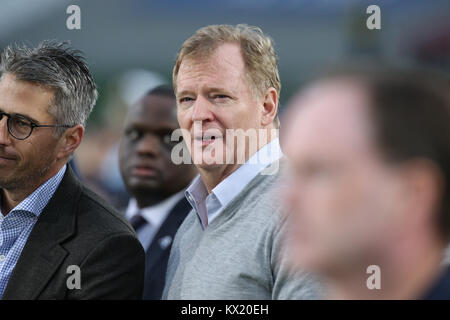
<point>230,246</point>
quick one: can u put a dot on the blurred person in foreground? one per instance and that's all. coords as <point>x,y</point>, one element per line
<point>157,206</point>
<point>59,240</point>
<point>227,87</point>
<point>368,186</point>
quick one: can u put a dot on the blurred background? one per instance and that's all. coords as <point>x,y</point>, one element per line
<point>131,47</point>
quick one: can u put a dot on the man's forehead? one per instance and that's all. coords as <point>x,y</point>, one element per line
<point>331,114</point>
<point>24,97</point>
<point>227,53</point>
<point>333,100</point>
<point>154,108</point>
<point>224,60</point>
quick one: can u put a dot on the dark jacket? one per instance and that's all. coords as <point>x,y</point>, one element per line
<point>440,290</point>
<point>158,253</point>
<point>78,228</point>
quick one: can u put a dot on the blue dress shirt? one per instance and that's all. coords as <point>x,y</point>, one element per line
<point>16,226</point>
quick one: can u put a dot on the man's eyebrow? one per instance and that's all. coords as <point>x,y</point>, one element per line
<point>218,89</point>
<point>26,117</point>
<point>182,93</point>
<point>223,90</point>
<point>23,116</point>
<point>211,89</point>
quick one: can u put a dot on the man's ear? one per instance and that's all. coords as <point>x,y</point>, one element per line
<point>70,140</point>
<point>423,189</point>
<point>270,106</point>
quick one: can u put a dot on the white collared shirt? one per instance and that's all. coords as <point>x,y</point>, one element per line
<point>211,205</point>
<point>154,215</point>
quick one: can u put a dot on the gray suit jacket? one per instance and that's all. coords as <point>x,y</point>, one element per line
<point>78,228</point>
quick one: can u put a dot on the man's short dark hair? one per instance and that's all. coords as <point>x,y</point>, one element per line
<point>163,90</point>
<point>58,66</point>
<point>410,110</point>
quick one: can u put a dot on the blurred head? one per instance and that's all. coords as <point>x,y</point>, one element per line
<point>370,164</point>
<point>225,77</point>
<point>145,147</point>
<point>46,85</point>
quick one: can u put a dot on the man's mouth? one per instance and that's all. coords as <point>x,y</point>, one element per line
<point>6,160</point>
<point>7,157</point>
<point>207,139</point>
<point>144,171</point>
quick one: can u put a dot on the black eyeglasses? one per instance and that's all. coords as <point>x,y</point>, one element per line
<point>21,128</point>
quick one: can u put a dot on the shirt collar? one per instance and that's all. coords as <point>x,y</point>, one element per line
<point>196,193</point>
<point>156,214</point>
<point>230,187</point>
<point>37,200</point>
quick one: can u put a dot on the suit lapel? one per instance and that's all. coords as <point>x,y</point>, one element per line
<point>164,237</point>
<point>43,254</point>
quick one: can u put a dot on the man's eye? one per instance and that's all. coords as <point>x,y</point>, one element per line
<point>221,96</point>
<point>167,140</point>
<point>132,134</point>
<point>21,123</point>
<point>186,99</point>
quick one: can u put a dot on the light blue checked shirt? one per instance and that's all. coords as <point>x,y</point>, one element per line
<point>16,227</point>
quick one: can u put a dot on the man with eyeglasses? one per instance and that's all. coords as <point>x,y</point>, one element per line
<point>58,240</point>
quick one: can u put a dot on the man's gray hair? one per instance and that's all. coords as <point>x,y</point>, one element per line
<point>60,67</point>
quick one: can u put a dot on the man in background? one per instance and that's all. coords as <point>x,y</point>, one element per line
<point>158,206</point>
<point>368,188</point>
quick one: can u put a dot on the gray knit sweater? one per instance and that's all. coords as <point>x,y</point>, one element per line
<point>238,256</point>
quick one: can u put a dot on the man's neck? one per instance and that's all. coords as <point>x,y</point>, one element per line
<point>10,198</point>
<point>152,198</point>
<point>148,201</point>
<point>211,177</point>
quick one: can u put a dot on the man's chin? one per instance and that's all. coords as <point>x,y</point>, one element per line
<point>209,161</point>
<point>148,184</point>
<point>210,158</point>
<point>209,166</point>
<point>8,184</point>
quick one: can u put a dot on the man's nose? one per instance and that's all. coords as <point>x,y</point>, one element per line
<point>202,110</point>
<point>5,137</point>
